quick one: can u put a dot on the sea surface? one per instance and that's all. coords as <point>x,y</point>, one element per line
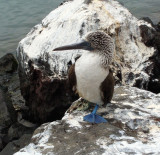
<point>17,17</point>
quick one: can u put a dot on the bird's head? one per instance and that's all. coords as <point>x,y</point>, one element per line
<point>94,41</point>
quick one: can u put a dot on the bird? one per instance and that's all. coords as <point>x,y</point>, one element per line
<point>91,75</point>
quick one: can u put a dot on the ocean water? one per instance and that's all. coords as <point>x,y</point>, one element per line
<point>144,8</point>
<point>17,17</point>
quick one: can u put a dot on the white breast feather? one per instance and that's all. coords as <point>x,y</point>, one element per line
<point>90,74</point>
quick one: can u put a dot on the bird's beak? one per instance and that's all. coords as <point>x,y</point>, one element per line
<point>82,45</point>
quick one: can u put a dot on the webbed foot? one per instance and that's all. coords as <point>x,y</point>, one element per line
<point>94,118</point>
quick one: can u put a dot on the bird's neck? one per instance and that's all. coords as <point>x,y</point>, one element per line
<point>105,58</point>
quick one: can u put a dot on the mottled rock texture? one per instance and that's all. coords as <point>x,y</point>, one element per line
<point>8,64</point>
<point>151,38</point>
<point>16,145</point>
<point>11,101</point>
<point>43,73</point>
<point>9,79</point>
<point>7,112</point>
<point>7,116</point>
<point>132,128</point>
<point>8,67</point>
<point>45,96</point>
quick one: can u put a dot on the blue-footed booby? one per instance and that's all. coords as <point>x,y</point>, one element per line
<point>91,75</point>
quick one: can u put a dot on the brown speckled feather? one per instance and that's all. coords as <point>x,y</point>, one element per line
<point>107,88</point>
<point>72,78</point>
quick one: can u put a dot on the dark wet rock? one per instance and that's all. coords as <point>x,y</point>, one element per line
<point>154,85</point>
<point>9,80</point>
<point>7,116</point>
<point>46,97</point>
<point>147,19</point>
<point>65,2</point>
<point>158,27</point>
<point>151,37</point>
<point>8,64</point>
<point>7,112</point>
<point>15,145</point>
<point>132,128</point>
<point>157,41</point>
<point>17,130</point>
<point>11,141</point>
<point>11,100</point>
<point>153,69</point>
<point>1,144</point>
<point>11,84</point>
<point>148,34</point>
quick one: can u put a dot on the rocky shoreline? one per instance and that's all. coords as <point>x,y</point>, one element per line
<point>151,38</point>
<point>132,128</point>
<point>13,134</point>
<point>42,80</point>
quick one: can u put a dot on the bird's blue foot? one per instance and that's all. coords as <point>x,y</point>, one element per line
<point>94,118</point>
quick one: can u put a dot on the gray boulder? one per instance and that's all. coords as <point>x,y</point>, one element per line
<point>7,112</point>
<point>16,145</point>
<point>7,116</point>
<point>132,128</point>
<point>8,64</point>
<point>9,79</point>
<point>10,101</point>
<point>43,73</point>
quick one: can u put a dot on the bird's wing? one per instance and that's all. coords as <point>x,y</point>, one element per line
<point>107,88</point>
<point>72,78</point>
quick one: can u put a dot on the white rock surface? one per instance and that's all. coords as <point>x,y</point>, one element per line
<point>133,128</point>
<point>70,23</point>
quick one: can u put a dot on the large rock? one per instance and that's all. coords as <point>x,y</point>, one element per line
<point>9,79</point>
<point>10,101</point>
<point>16,145</point>
<point>43,73</point>
<point>7,112</point>
<point>7,116</point>
<point>151,38</point>
<point>8,64</point>
<point>133,128</point>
